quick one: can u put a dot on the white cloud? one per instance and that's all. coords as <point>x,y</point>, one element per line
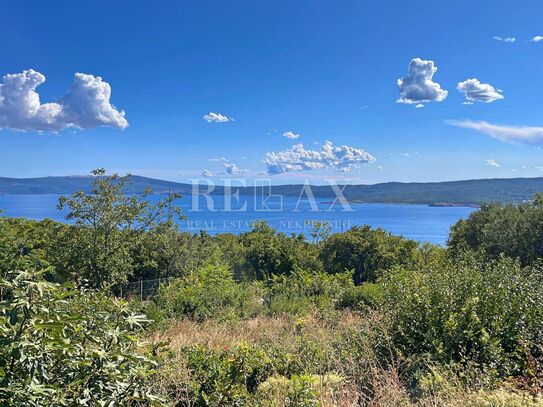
<point>219,159</point>
<point>233,169</point>
<point>539,167</point>
<point>297,158</point>
<point>86,104</point>
<point>419,105</point>
<point>505,39</point>
<point>418,87</point>
<point>537,38</point>
<point>475,91</point>
<point>217,118</point>
<point>290,135</point>
<point>518,134</point>
<point>207,173</point>
<point>493,163</point>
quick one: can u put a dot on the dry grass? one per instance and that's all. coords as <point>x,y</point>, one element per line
<point>261,329</point>
<point>366,380</point>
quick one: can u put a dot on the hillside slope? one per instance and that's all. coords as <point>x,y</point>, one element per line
<point>468,192</point>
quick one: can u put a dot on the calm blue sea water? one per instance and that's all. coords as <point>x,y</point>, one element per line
<point>419,222</point>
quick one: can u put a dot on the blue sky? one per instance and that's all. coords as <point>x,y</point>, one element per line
<point>326,71</point>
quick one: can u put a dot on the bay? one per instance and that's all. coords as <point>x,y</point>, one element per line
<point>419,222</point>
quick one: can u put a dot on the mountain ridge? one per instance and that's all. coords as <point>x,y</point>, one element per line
<point>461,192</point>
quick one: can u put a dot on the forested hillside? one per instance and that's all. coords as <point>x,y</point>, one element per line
<point>469,192</point>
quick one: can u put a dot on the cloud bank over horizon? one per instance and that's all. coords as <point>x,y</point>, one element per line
<point>86,105</point>
<point>297,158</point>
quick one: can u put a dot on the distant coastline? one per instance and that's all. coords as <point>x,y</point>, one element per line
<point>454,205</point>
<point>467,193</point>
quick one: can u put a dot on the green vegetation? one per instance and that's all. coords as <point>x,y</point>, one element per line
<point>515,231</point>
<point>266,319</point>
<point>63,346</point>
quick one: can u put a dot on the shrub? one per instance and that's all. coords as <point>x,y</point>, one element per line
<point>224,377</point>
<point>367,252</point>
<point>269,254</point>
<point>209,292</point>
<point>61,346</point>
<point>489,315</point>
<point>357,298</point>
<point>304,291</point>
<point>512,230</point>
<point>298,391</point>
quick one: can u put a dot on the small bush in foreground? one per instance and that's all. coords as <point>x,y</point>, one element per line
<point>226,377</point>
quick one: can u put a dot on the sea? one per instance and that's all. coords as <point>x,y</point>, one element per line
<point>286,214</point>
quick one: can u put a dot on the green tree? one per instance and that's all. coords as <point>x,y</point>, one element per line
<point>268,253</point>
<point>366,252</point>
<point>27,243</point>
<point>497,229</point>
<point>320,232</point>
<point>109,223</point>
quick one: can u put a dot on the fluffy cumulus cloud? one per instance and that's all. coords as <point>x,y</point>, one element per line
<point>297,158</point>
<point>475,91</point>
<point>418,87</point>
<point>516,134</point>
<point>85,105</point>
<point>492,163</point>
<point>233,169</point>
<point>217,118</point>
<point>291,135</point>
<point>537,38</point>
<point>505,39</point>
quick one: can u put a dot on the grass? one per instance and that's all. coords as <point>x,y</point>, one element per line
<point>339,357</point>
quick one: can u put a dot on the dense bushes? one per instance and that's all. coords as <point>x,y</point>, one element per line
<point>28,244</point>
<point>487,315</point>
<point>288,371</point>
<point>268,254</point>
<point>512,230</point>
<point>366,251</point>
<point>210,292</point>
<point>62,347</point>
<point>226,377</point>
<point>304,292</point>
